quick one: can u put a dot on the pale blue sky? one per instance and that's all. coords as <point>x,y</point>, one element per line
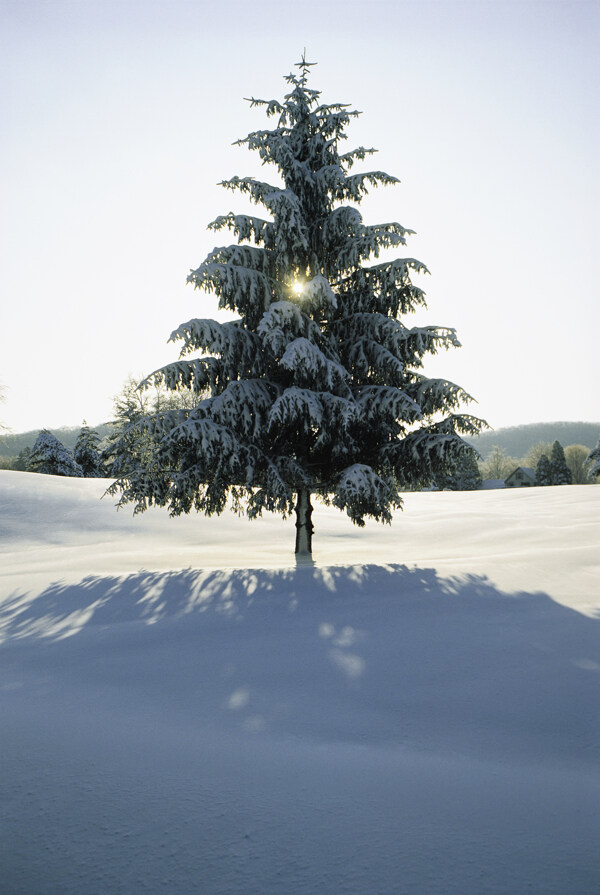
<point>118,120</point>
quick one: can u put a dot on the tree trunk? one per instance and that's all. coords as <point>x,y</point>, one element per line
<point>304,526</point>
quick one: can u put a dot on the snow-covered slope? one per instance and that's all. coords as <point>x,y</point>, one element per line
<point>185,711</point>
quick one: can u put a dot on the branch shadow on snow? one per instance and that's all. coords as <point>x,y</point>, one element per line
<point>384,654</point>
<point>63,610</point>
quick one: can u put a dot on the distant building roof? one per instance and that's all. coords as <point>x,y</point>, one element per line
<point>522,475</point>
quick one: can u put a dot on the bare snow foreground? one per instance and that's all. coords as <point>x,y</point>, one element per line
<point>183,712</point>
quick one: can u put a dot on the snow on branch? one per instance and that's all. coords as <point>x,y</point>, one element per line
<point>297,405</point>
<point>249,257</point>
<point>245,227</point>
<point>356,185</point>
<point>310,366</point>
<point>368,242</point>
<point>360,331</point>
<point>333,119</point>
<point>201,375</point>
<point>290,227</point>
<point>274,147</point>
<point>434,395</point>
<point>356,155</point>
<point>330,177</point>
<point>594,459</point>
<point>238,288</point>
<point>322,411</point>
<point>282,323</point>
<point>273,106</point>
<point>239,348</point>
<point>383,288</point>
<point>367,359</point>
<point>318,295</point>
<point>244,407</point>
<point>382,402</point>
<point>361,492</point>
<point>211,441</point>
<point>427,451</point>
<point>272,197</point>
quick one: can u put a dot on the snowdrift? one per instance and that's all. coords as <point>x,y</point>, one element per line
<point>185,711</point>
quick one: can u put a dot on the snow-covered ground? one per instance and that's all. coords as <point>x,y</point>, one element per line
<point>184,711</point>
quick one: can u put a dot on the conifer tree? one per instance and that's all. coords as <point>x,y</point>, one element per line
<point>129,446</point>
<point>464,475</point>
<point>23,459</point>
<point>594,460</point>
<point>86,453</point>
<point>316,388</point>
<point>50,456</point>
<point>543,471</point>
<point>560,472</point>
<point>467,472</point>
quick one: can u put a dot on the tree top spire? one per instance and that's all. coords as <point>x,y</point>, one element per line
<point>304,66</point>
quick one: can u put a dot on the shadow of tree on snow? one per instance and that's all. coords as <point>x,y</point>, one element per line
<point>419,658</point>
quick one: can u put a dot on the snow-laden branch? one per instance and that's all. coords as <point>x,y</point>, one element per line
<point>434,395</point>
<point>282,323</point>
<point>361,492</point>
<point>379,403</point>
<point>238,348</point>
<point>316,412</point>
<point>310,367</point>
<point>244,407</point>
<point>201,374</point>
<point>238,288</point>
<point>317,295</point>
<point>246,227</point>
<point>384,288</point>
<point>359,331</point>
<point>356,186</point>
<point>426,451</point>
<point>368,360</point>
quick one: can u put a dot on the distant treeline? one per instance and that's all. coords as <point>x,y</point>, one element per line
<point>12,445</point>
<point>517,441</point>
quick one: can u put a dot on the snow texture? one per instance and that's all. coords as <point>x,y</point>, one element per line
<point>417,713</point>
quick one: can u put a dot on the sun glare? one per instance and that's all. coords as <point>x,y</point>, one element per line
<point>297,288</point>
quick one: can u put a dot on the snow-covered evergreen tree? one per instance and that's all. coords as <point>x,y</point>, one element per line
<point>50,456</point>
<point>86,453</point>
<point>560,472</point>
<point>316,388</point>
<point>594,460</point>
<point>543,471</point>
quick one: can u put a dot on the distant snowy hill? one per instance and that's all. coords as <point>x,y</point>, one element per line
<point>183,710</point>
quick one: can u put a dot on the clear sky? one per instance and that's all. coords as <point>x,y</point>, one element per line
<point>117,124</point>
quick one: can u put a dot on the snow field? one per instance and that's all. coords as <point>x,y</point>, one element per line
<point>185,711</point>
